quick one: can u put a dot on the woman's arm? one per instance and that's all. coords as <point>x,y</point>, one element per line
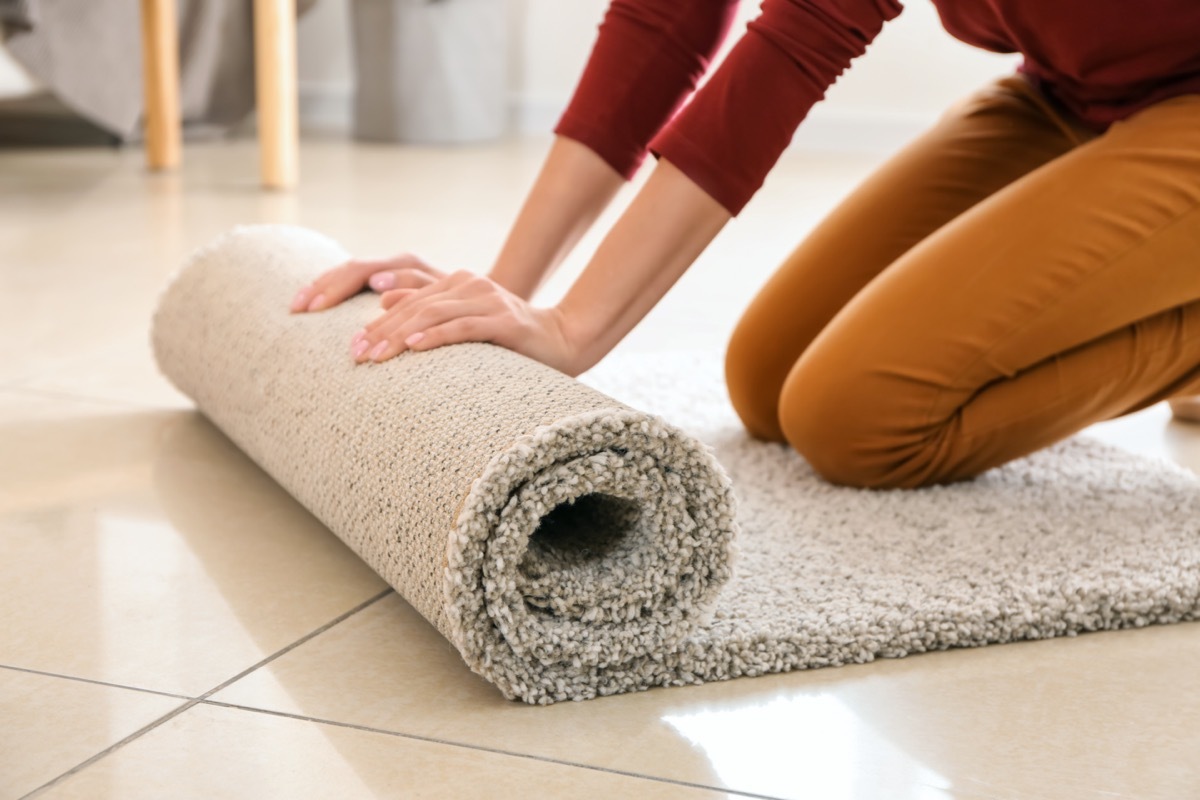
<point>665,228</point>
<point>648,58</point>
<point>574,186</point>
<point>713,156</point>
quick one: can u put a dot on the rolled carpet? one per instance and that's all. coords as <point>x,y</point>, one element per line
<point>570,545</point>
<point>559,539</point>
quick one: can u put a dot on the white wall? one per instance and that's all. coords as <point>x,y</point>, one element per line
<point>911,72</point>
<point>14,80</point>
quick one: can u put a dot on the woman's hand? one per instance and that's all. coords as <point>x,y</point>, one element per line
<point>464,307</point>
<point>381,274</point>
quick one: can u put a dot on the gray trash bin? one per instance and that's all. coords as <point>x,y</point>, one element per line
<point>430,71</point>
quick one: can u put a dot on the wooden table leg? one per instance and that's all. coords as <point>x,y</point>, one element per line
<point>160,66</point>
<point>275,75</point>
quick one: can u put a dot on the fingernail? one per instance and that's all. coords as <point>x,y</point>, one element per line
<point>379,350</point>
<point>300,300</point>
<point>381,281</point>
<point>356,338</point>
<point>416,337</point>
<point>360,348</point>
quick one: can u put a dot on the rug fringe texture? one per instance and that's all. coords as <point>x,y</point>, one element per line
<point>577,538</point>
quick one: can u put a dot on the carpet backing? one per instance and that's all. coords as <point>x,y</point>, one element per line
<point>575,538</point>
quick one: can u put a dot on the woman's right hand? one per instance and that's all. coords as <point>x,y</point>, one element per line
<point>380,274</point>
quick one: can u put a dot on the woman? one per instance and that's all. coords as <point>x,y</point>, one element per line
<point>1029,266</point>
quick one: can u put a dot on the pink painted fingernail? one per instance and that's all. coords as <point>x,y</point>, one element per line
<point>300,300</point>
<point>356,338</point>
<point>379,350</point>
<point>416,337</point>
<point>317,303</point>
<point>382,281</point>
<point>360,348</point>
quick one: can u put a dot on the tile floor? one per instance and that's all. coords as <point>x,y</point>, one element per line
<point>174,625</point>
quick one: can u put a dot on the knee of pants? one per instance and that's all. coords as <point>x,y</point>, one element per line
<point>847,434</point>
<point>753,390</point>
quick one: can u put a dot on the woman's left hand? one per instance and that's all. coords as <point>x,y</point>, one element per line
<point>465,307</point>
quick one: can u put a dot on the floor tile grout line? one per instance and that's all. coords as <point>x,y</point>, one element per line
<point>170,715</point>
<point>95,682</point>
<point>485,749</point>
<point>193,702</point>
<point>303,639</point>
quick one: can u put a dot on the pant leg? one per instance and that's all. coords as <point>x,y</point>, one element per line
<point>1070,296</point>
<point>979,146</point>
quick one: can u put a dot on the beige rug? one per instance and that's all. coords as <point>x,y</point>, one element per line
<point>569,544</point>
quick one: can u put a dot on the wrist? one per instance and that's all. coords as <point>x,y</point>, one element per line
<point>580,339</point>
<point>516,281</point>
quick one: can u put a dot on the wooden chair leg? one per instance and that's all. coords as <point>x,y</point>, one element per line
<point>160,65</point>
<point>275,76</point>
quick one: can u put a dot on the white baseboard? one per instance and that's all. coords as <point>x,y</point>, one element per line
<point>327,108</point>
<point>532,114</point>
<point>15,80</point>
<point>869,132</point>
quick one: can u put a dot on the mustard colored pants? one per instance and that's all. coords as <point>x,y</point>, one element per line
<point>1006,280</point>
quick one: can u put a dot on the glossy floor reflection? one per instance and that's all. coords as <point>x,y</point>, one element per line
<point>175,625</point>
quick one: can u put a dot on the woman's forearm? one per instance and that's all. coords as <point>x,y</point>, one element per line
<point>574,186</point>
<point>665,228</point>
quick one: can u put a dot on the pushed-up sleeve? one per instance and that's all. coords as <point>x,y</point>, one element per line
<point>736,127</point>
<point>648,58</point>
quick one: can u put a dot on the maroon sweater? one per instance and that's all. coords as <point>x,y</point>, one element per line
<point>1102,60</point>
